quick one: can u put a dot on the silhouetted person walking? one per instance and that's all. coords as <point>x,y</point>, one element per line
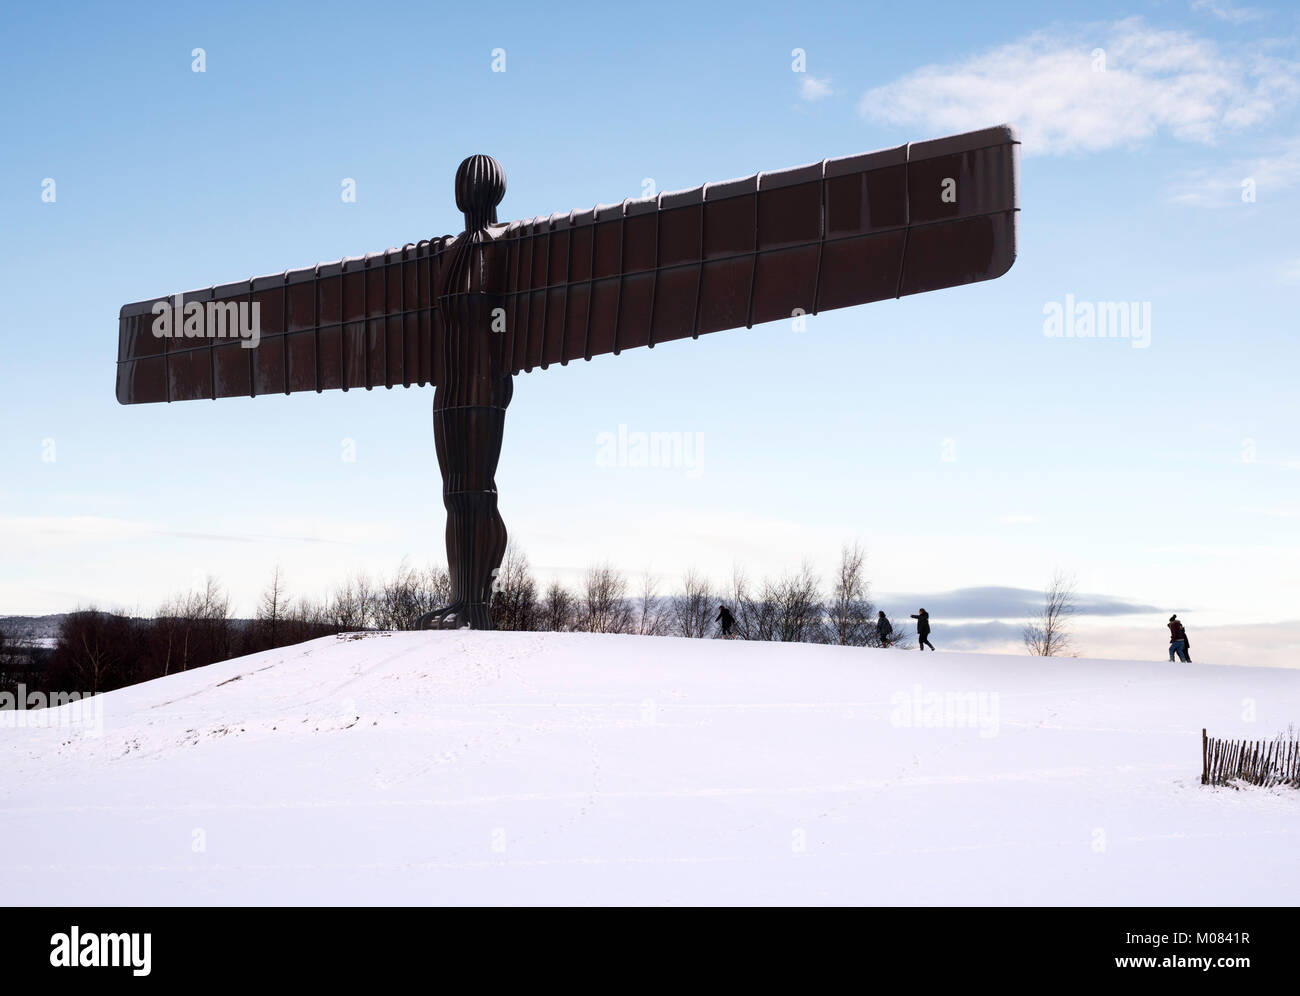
<point>1178,640</point>
<point>726,620</point>
<point>883,629</point>
<point>923,629</point>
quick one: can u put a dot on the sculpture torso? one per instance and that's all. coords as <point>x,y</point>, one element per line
<point>469,404</point>
<point>472,307</point>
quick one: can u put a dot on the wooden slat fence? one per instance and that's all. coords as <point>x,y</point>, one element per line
<point>1257,762</point>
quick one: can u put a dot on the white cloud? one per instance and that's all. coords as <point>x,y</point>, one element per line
<point>1225,11</point>
<point>1223,187</point>
<point>1093,89</point>
<point>811,88</point>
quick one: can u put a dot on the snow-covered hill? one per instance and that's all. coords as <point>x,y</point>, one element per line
<point>544,768</point>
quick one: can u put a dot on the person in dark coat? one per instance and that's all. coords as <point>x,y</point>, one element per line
<point>726,620</point>
<point>923,629</point>
<point>1178,640</point>
<point>883,629</point>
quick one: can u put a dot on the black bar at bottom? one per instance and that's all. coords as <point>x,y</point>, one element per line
<point>927,946</point>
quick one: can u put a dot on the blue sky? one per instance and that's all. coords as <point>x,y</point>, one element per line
<point>947,433</point>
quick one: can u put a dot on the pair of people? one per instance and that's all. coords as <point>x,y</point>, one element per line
<point>1178,642</point>
<point>884,629</point>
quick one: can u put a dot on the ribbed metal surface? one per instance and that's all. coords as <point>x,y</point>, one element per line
<point>832,234</point>
<point>357,323</point>
<point>763,248</point>
<point>470,401</point>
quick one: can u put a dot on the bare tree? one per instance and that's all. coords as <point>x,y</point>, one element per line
<point>651,619</point>
<point>850,614</point>
<point>603,606</point>
<point>1048,634</point>
<point>787,609</point>
<point>352,604</point>
<point>96,652</point>
<point>798,607</point>
<point>558,609</point>
<point>396,602</point>
<point>274,605</point>
<point>692,612</point>
<point>514,606</point>
<point>313,613</point>
<point>194,629</point>
<point>400,601</point>
<point>754,613</point>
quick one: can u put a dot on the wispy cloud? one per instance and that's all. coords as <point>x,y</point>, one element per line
<point>1225,11</point>
<point>812,88</point>
<point>1094,88</point>
<point>101,529</point>
<point>1223,187</point>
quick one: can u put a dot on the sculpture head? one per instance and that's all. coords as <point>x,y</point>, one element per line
<point>480,185</point>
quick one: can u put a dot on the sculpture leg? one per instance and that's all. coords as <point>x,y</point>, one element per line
<point>468,440</point>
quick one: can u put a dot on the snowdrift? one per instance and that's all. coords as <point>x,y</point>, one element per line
<point>473,768</point>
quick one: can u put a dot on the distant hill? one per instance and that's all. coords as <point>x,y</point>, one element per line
<point>45,629</point>
<point>32,627</point>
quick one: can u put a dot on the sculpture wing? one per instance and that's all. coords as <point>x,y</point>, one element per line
<point>363,322</point>
<point>828,235</point>
<point>833,234</point>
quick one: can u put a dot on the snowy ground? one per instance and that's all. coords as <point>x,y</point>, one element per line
<point>530,768</point>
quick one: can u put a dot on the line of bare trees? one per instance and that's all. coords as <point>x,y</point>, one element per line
<point>97,651</point>
<point>790,608</point>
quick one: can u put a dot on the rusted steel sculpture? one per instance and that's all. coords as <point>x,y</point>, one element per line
<point>469,403</point>
<point>466,313</point>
